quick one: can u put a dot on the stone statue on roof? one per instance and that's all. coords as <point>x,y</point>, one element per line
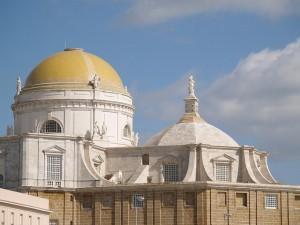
<point>191,86</point>
<point>95,81</point>
<point>19,86</point>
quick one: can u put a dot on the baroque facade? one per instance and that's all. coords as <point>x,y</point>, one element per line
<point>73,143</point>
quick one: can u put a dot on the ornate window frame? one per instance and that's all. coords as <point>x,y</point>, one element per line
<point>170,160</point>
<point>223,160</point>
<point>54,150</point>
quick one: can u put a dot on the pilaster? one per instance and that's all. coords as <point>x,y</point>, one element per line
<point>179,207</point>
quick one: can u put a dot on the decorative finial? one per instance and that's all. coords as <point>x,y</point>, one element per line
<point>191,114</point>
<point>191,86</point>
<point>19,86</point>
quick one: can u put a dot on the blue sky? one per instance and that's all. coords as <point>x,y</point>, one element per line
<point>245,56</point>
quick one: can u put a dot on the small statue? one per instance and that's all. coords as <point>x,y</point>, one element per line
<point>136,139</point>
<point>19,86</point>
<point>99,132</point>
<point>120,177</point>
<point>103,129</point>
<point>95,81</point>
<point>191,86</point>
<point>96,129</point>
<point>162,177</point>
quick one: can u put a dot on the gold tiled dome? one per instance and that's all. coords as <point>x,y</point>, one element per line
<point>73,68</point>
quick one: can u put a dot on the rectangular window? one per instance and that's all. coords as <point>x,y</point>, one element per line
<point>221,199</point>
<point>170,172</point>
<point>145,159</point>
<point>107,201</point>
<point>189,199</point>
<point>168,199</point>
<point>297,201</point>
<point>223,172</point>
<point>54,167</point>
<point>241,200</point>
<point>138,200</point>
<point>87,202</point>
<point>271,201</point>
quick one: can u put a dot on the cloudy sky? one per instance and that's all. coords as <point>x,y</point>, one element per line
<point>245,56</point>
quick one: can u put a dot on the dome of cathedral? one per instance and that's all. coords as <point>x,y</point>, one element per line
<point>73,68</point>
<point>191,128</point>
<point>192,133</point>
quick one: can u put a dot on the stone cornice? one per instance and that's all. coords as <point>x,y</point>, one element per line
<point>73,103</point>
<point>51,136</point>
<point>190,186</point>
<point>146,149</point>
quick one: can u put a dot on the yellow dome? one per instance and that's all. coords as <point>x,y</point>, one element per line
<point>72,69</point>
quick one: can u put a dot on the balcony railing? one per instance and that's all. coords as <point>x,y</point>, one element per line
<point>54,183</point>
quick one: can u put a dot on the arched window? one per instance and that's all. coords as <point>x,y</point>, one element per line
<point>51,126</point>
<point>126,131</point>
<point>1,180</point>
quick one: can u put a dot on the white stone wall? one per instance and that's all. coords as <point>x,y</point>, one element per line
<point>17,208</point>
<point>129,161</point>
<point>76,111</point>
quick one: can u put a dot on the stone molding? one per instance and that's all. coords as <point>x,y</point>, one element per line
<point>177,186</point>
<point>75,104</point>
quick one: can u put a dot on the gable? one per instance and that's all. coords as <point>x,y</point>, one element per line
<point>55,149</point>
<point>223,158</point>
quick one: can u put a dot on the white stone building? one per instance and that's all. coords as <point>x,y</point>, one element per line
<point>73,118</point>
<point>22,209</point>
<point>73,130</point>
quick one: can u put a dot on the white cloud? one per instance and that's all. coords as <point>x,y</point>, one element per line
<point>258,101</point>
<point>261,99</point>
<point>157,11</point>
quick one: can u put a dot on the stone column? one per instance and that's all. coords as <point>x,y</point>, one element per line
<point>284,208</point>
<point>252,207</point>
<point>179,208</point>
<point>125,207</point>
<point>97,200</point>
<point>118,208</point>
<point>149,207</point>
<point>157,208</point>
